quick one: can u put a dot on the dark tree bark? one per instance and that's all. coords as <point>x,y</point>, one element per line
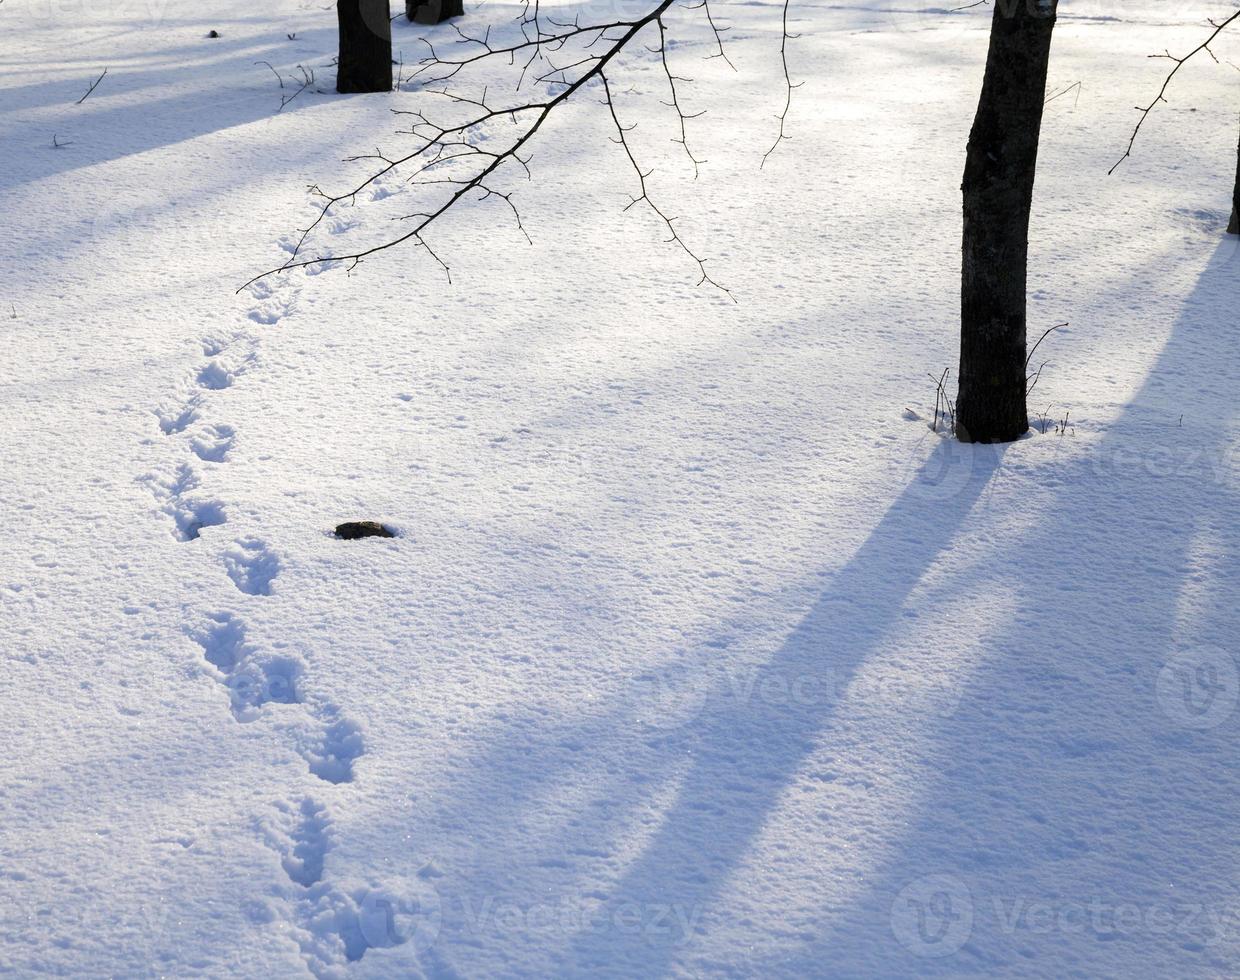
<point>433,11</point>
<point>1234,227</point>
<point>365,46</point>
<point>998,194</point>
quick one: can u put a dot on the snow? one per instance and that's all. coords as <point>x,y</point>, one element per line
<point>697,653</point>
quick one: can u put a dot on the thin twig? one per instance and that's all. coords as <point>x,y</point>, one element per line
<point>93,86</point>
<point>788,86</point>
<point>440,145</point>
<point>1219,27</point>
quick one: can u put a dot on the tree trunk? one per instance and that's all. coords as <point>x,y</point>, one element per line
<point>1234,227</point>
<point>998,194</point>
<point>365,46</point>
<point>433,11</point>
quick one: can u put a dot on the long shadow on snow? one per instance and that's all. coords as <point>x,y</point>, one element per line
<point>1067,775</point>
<point>234,91</point>
<point>746,749</point>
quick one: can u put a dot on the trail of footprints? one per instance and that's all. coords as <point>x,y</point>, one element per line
<point>330,922</point>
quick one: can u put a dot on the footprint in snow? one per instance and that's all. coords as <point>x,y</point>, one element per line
<point>271,311</point>
<point>178,419</point>
<point>215,346</point>
<point>214,376</point>
<point>252,566</point>
<point>339,225</point>
<point>325,265</point>
<point>222,641</point>
<point>213,443</point>
<point>262,679</point>
<point>302,838</point>
<point>252,676</point>
<point>272,300</point>
<point>332,754</point>
<point>189,516</point>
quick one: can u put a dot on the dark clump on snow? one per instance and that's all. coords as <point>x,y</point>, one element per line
<point>352,530</point>
<point>213,34</point>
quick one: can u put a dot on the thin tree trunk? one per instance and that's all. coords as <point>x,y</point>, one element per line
<point>998,194</point>
<point>433,11</point>
<point>365,46</point>
<point>1234,227</point>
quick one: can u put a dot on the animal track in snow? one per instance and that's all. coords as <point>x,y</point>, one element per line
<point>178,419</point>
<point>262,679</point>
<point>214,376</point>
<point>332,754</point>
<point>252,566</point>
<point>301,835</point>
<point>222,641</point>
<point>271,304</point>
<point>188,516</point>
<point>253,678</point>
<point>214,346</point>
<point>335,926</point>
<point>338,225</point>
<point>221,372</point>
<point>213,442</point>
<point>384,187</point>
<point>332,926</point>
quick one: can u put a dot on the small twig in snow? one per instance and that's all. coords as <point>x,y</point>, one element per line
<point>93,86</point>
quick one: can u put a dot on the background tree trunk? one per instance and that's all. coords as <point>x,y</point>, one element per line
<point>998,194</point>
<point>365,46</point>
<point>1234,227</point>
<point>433,11</point>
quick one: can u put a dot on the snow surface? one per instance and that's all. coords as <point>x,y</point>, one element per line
<point>695,654</point>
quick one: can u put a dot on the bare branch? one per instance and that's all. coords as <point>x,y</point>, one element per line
<point>466,152</point>
<point>622,139</point>
<point>1145,111</point>
<point>93,86</point>
<point>788,86</point>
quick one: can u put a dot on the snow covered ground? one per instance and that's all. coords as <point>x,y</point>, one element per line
<point>694,656</point>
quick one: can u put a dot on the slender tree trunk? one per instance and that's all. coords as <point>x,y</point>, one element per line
<point>433,11</point>
<point>998,194</point>
<point>365,46</point>
<point>1234,227</point>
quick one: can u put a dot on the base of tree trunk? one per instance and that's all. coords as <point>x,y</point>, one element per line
<point>1234,227</point>
<point>1000,166</point>
<point>365,46</point>
<point>997,430</point>
<point>433,11</point>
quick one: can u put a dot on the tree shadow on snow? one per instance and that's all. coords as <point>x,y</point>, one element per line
<point>1076,811</point>
<point>746,745</point>
<point>129,113</point>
